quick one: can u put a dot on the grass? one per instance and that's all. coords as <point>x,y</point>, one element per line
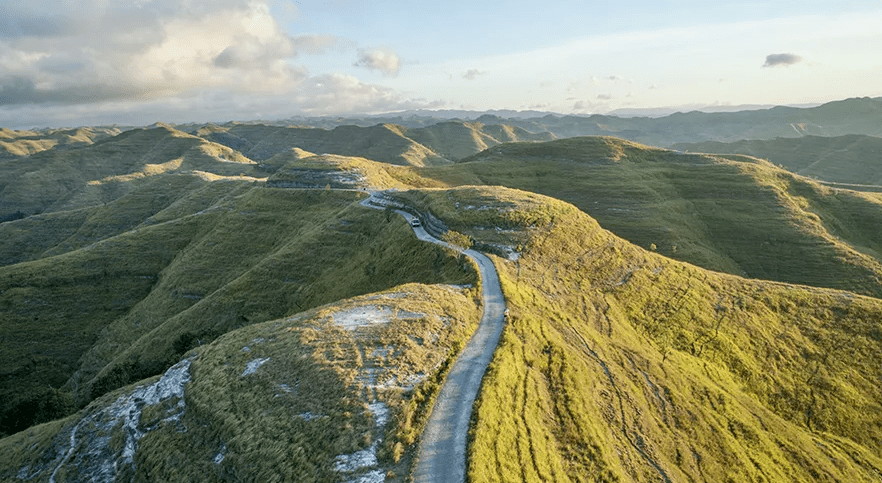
<point>732,214</point>
<point>305,406</point>
<point>620,364</point>
<point>851,159</point>
<point>230,255</point>
<point>94,174</point>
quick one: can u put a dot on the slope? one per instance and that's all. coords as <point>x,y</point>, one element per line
<point>339,392</point>
<point>849,116</point>
<point>382,142</point>
<point>22,143</point>
<point>851,159</point>
<point>456,139</point>
<point>727,213</point>
<point>230,254</point>
<point>66,179</point>
<point>622,365</point>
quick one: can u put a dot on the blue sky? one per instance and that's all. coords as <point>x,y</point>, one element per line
<point>139,61</point>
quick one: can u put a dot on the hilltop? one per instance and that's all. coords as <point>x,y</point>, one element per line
<point>620,364</point>
<point>97,173</point>
<point>215,303</point>
<point>14,144</point>
<point>727,213</point>
<point>854,159</point>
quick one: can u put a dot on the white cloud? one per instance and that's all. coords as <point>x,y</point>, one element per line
<point>102,51</point>
<point>383,60</point>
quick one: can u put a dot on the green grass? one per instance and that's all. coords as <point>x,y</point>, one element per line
<point>732,214</point>
<point>125,308</point>
<point>81,177</point>
<point>851,159</point>
<point>620,364</point>
<point>305,406</point>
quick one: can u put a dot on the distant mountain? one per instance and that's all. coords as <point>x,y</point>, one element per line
<point>853,159</point>
<point>436,144</point>
<point>22,143</point>
<point>850,116</point>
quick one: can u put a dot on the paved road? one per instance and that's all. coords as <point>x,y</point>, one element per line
<point>442,451</point>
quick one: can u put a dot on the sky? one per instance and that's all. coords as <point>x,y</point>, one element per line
<point>135,62</point>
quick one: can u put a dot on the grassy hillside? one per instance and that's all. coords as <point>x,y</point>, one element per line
<point>456,139</point>
<point>622,365</point>
<point>56,180</point>
<point>14,144</point>
<point>311,397</point>
<point>382,142</point>
<point>852,159</point>
<point>174,310</point>
<point>727,213</point>
<point>850,116</point>
<point>94,318</point>
<point>300,169</point>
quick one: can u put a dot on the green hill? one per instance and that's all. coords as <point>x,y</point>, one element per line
<point>732,214</point>
<point>14,144</point>
<point>617,364</point>
<point>93,316</point>
<point>312,397</point>
<point>622,365</point>
<point>456,140</point>
<point>852,159</point>
<point>171,310</point>
<point>382,142</point>
<point>849,116</point>
<point>58,180</point>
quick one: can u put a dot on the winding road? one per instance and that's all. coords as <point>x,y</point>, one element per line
<point>442,451</point>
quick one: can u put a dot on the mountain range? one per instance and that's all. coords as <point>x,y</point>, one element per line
<point>215,303</point>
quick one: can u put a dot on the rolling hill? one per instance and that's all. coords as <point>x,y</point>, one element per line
<point>99,305</point>
<point>15,144</point>
<point>849,116</point>
<point>853,159</point>
<point>733,214</point>
<point>68,179</point>
<point>218,306</point>
<point>622,365</point>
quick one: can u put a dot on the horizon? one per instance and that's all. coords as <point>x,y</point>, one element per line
<point>157,60</point>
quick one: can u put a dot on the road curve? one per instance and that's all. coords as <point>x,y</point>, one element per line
<point>442,452</point>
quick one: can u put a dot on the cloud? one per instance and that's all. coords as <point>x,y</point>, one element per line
<point>604,97</point>
<point>472,74</point>
<point>146,50</point>
<point>775,60</point>
<point>383,60</point>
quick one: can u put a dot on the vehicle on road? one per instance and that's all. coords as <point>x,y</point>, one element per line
<point>415,222</point>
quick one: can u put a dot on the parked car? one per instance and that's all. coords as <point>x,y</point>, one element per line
<point>415,222</point>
